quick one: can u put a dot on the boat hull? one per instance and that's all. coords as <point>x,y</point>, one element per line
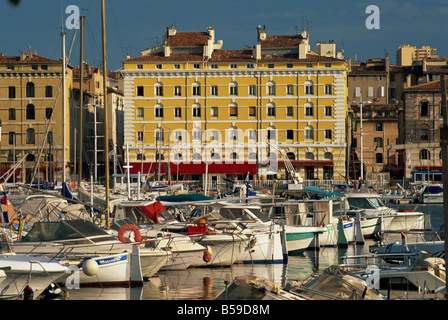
<point>263,247</point>
<point>225,250</point>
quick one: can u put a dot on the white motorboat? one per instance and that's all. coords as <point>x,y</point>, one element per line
<point>27,277</point>
<point>102,257</point>
<point>377,217</point>
<point>151,215</point>
<point>314,223</point>
<point>430,194</point>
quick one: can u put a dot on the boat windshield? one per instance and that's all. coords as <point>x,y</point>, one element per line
<point>66,230</point>
<point>365,203</point>
<point>241,214</point>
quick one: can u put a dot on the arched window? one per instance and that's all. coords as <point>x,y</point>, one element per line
<point>196,89</point>
<point>309,133</point>
<point>291,156</point>
<point>309,87</point>
<point>160,156</point>
<point>30,90</point>
<point>309,156</point>
<point>30,157</point>
<point>271,109</point>
<point>158,89</point>
<point>424,155</point>
<point>141,156</point>
<point>271,88</point>
<point>158,110</point>
<point>252,156</point>
<point>233,88</point>
<point>309,109</point>
<point>197,156</point>
<point>215,156</point>
<point>234,156</point>
<point>30,136</point>
<point>197,110</point>
<point>159,135</point>
<point>30,112</point>
<point>328,156</point>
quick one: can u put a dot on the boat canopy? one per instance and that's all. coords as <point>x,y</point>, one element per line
<point>66,230</point>
<point>184,198</point>
<point>433,189</point>
<point>316,190</point>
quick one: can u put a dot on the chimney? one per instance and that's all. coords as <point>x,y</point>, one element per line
<point>128,56</point>
<point>1,54</point>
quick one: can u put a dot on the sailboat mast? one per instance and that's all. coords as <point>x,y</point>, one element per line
<point>64,66</point>
<point>81,96</point>
<point>106,128</point>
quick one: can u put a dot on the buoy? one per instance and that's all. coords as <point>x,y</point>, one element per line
<point>90,267</point>
<point>129,227</point>
<point>201,223</point>
<point>207,257</point>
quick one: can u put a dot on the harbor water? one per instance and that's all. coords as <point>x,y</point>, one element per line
<point>207,283</point>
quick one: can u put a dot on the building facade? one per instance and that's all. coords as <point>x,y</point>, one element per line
<point>34,118</point>
<point>191,107</point>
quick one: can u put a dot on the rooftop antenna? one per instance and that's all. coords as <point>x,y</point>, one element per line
<point>303,24</point>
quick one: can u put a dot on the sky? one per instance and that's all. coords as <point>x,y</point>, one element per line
<point>135,25</point>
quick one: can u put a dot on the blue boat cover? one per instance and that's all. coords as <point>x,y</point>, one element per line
<point>323,192</point>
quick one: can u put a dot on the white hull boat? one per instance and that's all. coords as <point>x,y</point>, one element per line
<point>21,275</point>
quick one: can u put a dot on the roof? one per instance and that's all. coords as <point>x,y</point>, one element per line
<point>30,59</point>
<point>363,69</point>
<point>434,85</point>
<point>245,55</point>
<point>281,41</point>
<point>188,39</point>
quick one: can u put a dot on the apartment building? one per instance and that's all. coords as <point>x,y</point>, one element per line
<point>192,107</point>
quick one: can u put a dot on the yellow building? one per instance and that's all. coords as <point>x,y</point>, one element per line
<point>189,103</point>
<point>33,125</point>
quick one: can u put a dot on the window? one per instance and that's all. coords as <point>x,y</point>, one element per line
<point>30,90</point>
<point>290,90</point>
<point>252,90</point>
<point>233,110</point>
<point>12,114</point>
<point>290,111</point>
<point>196,89</point>
<point>271,88</point>
<point>10,67</point>
<point>233,134</point>
<point>378,158</point>
<point>48,91</point>
<point>380,91</point>
<point>424,109</point>
<point>159,135</point>
<point>12,92</point>
<point>358,92</point>
<point>44,67</point>
<point>309,156</point>
<point>141,156</point>
<point>272,133</point>
<point>424,155</point>
<point>291,156</point>
<point>139,66</point>
<point>309,133</point>
<point>140,91</point>
<point>140,136</point>
<point>158,66</point>
<point>290,134</point>
<point>424,134</point>
<point>250,66</point>
<point>309,109</point>
<point>328,111</point>
<point>30,113</point>
<point>158,111</point>
<point>379,126</point>
<point>178,112</point>
<point>233,89</point>
<point>197,66</point>
<point>309,173</point>
<point>160,156</point>
<point>178,136</point>
<point>48,113</point>
<point>196,111</point>
<point>159,89</point>
<point>140,113</point>
<point>30,136</point>
<point>252,135</point>
<point>12,136</point>
<point>370,92</point>
<point>309,87</point>
<point>252,112</point>
<point>328,65</point>
<point>214,66</point>
<point>328,134</point>
<point>309,65</point>
<point>289,65</point>
<point>328,173</point>
<point>214,90</point>
<point>214,112</point>
<point>271,110</point>
<point>177,66</point>
<point>379,143</point>
<point>178,91</point>
<point>328,156</point>
<point>233,66</point>
<point>271,65</point>
<point>196,134</point>
<point>328,89</point>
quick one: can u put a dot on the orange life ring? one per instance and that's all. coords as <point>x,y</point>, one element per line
<point>129,227</point>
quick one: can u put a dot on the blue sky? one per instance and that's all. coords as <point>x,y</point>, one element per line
<point>135,25</point>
